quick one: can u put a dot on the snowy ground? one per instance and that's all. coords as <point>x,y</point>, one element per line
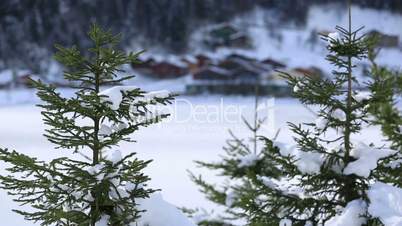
<point>191,134</point>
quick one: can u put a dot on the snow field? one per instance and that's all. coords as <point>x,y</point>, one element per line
<point>173,144</point>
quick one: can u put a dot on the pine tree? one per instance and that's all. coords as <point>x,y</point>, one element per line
<point>243,158</point>
<point>96,185</point>
<point>326,176</point>
<point>385,89</point>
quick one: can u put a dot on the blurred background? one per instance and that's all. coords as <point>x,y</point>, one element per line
<point>194,46</point>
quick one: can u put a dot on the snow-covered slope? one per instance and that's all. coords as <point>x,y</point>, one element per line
<point>293,45</point>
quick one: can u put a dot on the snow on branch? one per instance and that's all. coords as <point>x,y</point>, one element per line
<point>351,215</point>
<point>161,213</point>
<point>114,95</point>
<point>366,159</point>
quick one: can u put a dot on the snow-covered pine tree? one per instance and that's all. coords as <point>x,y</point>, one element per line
<point>243,159</point>
<point>386,91</point>
<point>96,184</point>
<point>326,177</point>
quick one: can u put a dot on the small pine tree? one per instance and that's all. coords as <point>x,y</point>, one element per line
<point>325,174</point>
<point>96,184</point>
<point>386,88</point>
<point>243,159</point>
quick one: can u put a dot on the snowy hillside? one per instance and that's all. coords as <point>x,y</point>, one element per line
<point>294,46</point>
<point>291,44</point>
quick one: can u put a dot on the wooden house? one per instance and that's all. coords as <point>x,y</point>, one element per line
<point>273,64</point>
<point>212,73</point>
<point>227,35</point>
<point>384,40</point>
<point>162,69</point>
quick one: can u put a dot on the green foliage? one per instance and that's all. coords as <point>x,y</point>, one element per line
<point>309,183</point>
<point>96,182</point>
<point>386,91</point>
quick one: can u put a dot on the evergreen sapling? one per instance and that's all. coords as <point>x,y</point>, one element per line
<point>386,90</point>
<point>243,158</point>
<point>327,177</point>
<point>96,184</point>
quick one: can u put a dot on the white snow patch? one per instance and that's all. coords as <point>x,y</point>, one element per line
<point>297,87</point>
<point>248,160</point>
<point>395,163</point>
<point>284,149</point>
<point>114,156</point>
<point>88,197</point>
<point>103,221</point>
<point>105,130</point>
<point>96,169</point>
<point>160,213</point>
<point>386,203</point>
<point>118,193</point>
<point>321,123</point>
<point>309,162</point>
<point>269,182</point>
<point>114,95</point>
<point>306,162</point>
<point>333,37</point>
<point>119,126</point>
<point>362,95</point>
<point>285,222</point>
<point>308,223</point>
<point>230,197</point>
<point>339,114</point>
<point>288,186</point>
<point>367,158</point>
<point>351,215</point>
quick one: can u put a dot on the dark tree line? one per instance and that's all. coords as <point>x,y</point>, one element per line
<point>28,27</point>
